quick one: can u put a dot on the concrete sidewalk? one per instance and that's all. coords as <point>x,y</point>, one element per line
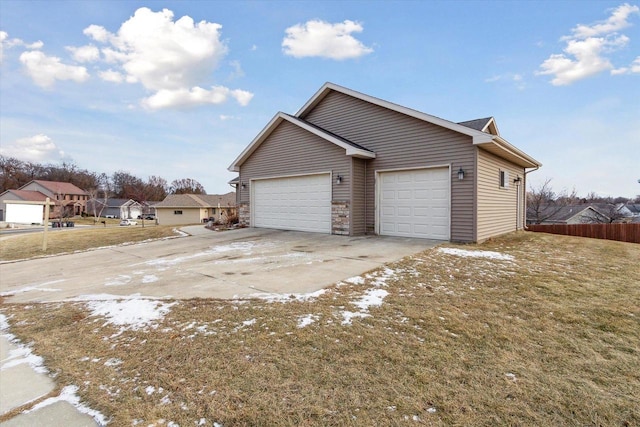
<point>23,385</point>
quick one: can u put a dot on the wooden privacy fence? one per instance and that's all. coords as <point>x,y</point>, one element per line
<point>621,232</point>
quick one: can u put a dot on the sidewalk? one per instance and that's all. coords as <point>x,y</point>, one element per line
<point>24,381</point>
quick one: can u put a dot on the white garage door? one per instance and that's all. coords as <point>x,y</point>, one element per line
<point>415,203</point>
<point>301,203</point>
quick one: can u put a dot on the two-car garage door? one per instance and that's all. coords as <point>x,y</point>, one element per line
<point>301,203</point>
<point>411,203</point>
<point>414,203</point>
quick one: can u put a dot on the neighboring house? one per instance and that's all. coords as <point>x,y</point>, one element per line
<point>23,206</point>
<point>70,200</point>
<point>348,163</point>
<point>573,214</point>
<point>180,209</point>
<point>115,208</point>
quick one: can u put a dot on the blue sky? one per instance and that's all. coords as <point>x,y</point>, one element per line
<point>178,88</point>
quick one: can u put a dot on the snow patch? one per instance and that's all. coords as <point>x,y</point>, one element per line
<point>39,288</point>
<point>287,297</point>
<point>307,320</point>
<point>476,254</point>
<point>68,394</point>
<point>130,313</point>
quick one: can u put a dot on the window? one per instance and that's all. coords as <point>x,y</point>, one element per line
<point>177,212</point>
<point>504,179</point>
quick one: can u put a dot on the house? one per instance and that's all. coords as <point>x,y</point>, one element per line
<point>115,208</point>
<point>351,164</point>
<point>23,206</point>
<point>180,209</point>
<point>70,200</point>
<point>572,214</point>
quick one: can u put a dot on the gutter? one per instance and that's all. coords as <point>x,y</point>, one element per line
<point>524,226</point>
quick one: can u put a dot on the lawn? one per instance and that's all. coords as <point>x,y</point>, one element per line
<point>527,329</point>
<point>65,240</point>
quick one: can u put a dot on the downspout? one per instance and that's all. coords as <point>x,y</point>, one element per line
<point>525,195</point>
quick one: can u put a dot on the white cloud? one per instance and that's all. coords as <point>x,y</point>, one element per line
<point>97,32</point>
<point>88,53</point>
<point>617,21</point>
<point>587,48</point>
<point>45,70</point>
<point>38,148</point>
<point>322,39</point>
<point>111,76</point>
<point>6,42</point>
<point>170,58</point>
<point>181,98</point>
<point>634,68</point>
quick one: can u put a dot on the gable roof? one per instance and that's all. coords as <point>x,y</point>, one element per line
<point>27,195</point>
<point>487,125</point>
<point>58,187</point>
<point>483,132</point>
<point>351,149</point>
<point>565,213</point>
<point>198,200</point>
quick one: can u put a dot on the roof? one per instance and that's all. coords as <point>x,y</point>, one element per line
<point>198,200</point>
<point>487,125</point>
<point>564,213</point>
<point>58,187</point>
<point>351,149</point>
<point>486,137</point>
<point>28,195</point>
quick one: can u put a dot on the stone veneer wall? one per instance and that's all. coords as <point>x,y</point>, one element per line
<point>340,218</point>
<point>244,214</point>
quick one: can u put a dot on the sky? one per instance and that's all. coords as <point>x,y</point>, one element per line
<point>178,89</point>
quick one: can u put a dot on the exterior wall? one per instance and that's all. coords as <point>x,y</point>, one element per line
<point>497,206</point>
<point>358,199</point>
<point>290,151</point>
<point>244,216</point>
<point>399,142</point>
<point>24,213</point>
<point>81,199</point>
<point>166,216</point>
<point>340,223</point>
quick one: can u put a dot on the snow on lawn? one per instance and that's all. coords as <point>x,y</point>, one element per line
<point>476,254</point>
<point>307,320</point>
<point>371,298</point>
<point>287,297</point>
<point>68,394</point>
<point>21,353</point>
<point>130,313</point>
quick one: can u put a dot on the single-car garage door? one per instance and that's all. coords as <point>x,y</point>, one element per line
<point>301,203</point>
<point>414,203</point>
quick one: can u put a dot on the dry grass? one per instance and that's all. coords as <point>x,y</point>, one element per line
<point>65,240</point>
<point>551,338</point>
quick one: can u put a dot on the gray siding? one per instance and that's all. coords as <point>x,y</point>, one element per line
<point>358,199</point>
<point>401,141</point>
<point>290,150</point>
<point>497,206</point>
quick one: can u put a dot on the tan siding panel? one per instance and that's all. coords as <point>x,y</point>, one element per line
<point>497,207</point>
<point>290,151</point>
<point>358,200</point>
<point>401,141</point>
<point>166,216</point>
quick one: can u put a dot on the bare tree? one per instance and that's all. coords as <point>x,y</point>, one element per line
<point>186,186</point>
<point>156,189</point>
<point>543,203</point>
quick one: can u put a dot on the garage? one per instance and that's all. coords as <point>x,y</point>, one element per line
<point>300,203</point>
<point>414,203</point>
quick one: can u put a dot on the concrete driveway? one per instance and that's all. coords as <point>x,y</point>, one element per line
<point>206,264</point>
